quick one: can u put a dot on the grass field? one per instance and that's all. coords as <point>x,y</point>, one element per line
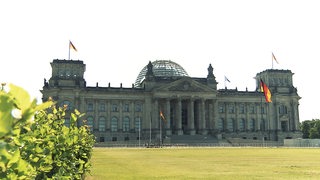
<point>205,163</point>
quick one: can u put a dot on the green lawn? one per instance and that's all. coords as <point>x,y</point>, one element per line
<point>205,163</point>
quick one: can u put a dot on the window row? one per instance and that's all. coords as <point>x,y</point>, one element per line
<point>102,107</point>
<point>252,109</point>
<point>242,125</point>
<point>114,124</point>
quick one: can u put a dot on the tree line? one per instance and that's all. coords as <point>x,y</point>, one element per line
<point>311,129</point>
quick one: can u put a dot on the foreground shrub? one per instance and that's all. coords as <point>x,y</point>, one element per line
<point>35,143</point>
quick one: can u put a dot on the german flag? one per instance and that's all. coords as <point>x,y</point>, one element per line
<point>274,58</point>
<point>266,91</point>
<point>162,117</point>
<point>72,46</point>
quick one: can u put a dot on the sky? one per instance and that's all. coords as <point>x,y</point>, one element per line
<point>116,39</point>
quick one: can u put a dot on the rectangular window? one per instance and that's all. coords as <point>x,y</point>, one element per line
<point>138,107</point>
<point>126,108</point>
<point>221,109</point>
<point>114,108</point>
<point>90,107</point>
<point>251,109</point>
<point>221,124</point>
<point>102,107</point>
<point>241,109</point>
<point>231,109</point>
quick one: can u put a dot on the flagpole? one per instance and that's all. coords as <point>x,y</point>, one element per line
<point>262,136</point>
<point>150,128</point>
<point>272,61</point>
<point>139,131</point>
<point>69,51</point>
<point>160,139</point>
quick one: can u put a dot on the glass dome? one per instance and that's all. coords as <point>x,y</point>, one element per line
<point>162,68</point>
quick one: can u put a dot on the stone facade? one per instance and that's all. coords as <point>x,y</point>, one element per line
<point>192,107</point>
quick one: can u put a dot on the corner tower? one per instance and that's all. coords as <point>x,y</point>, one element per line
<point>277,80</point>
<point>67,73</point>
<point>283,112</point>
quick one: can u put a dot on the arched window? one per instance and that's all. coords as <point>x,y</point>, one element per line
<point>114,124</point>
<point>263,125</point>
<point>252,124</point>
<point>230,124</point>
<point>242,124</point>
<point>90,123</point>
<point>137,124</point>
<point>126,124</point>
<point>102,123</point>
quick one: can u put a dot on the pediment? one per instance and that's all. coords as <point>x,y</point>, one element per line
<point>185,84</point>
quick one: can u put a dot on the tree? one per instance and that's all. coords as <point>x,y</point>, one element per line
<point>311,129</point>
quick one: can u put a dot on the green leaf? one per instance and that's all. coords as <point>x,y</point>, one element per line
<point>6,119</point>
<point>16,156</point>
<point>22,96</point>
<point>44,105</point>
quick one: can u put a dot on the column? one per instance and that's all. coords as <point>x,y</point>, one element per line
<point>120,109</point>
<point>215,114</point>
<point>81,109</point>
<point>202,117</point>
<point>191,118</point>
<point>132,116</point>
<point>168,117</point>
<point>210,116</point>
<point>296,116</point>
<point>259,116</point>
<point>179,117</point>
<point>108,111</point>
<point>95,115</point>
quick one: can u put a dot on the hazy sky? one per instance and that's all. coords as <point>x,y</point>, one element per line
<point>116,39</point>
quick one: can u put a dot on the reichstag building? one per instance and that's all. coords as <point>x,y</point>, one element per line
<point>166,105</point>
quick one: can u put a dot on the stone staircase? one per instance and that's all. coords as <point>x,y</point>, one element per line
<point>191,139</point>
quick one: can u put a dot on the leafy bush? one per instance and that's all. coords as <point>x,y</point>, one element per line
<point>35,143</point>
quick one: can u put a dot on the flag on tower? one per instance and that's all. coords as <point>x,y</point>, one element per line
<point>274,58</point>
<point>266,91</point>
<point>72,46</point>
<point>162,117</point>
<point>226,79</point>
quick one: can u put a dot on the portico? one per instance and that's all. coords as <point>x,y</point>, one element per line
<point>184,115</point>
